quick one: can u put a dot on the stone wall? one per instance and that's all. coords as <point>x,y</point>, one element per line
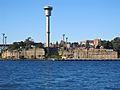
<point>82,53</point>
<point>94,54</point>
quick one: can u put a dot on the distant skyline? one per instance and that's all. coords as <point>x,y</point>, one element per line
<point>77,19</point>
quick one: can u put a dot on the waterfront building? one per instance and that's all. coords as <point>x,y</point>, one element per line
<point>80,53</point>
<point>10,54</point>
<point>97,42</point>
<point>66,53</point>
<point>33,53</point>
<point>92,43</point>
<point>87,53</point>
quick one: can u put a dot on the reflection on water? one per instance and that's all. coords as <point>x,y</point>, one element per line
<point>59,75</point>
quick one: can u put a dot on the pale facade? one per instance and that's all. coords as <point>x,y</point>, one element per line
<point>34,53</point>
<point>10,54</point>
<point>80,53</point>
<point>94,42</point>
<point>97,42</point>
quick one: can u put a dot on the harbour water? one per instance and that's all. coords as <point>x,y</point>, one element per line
<point>59,75</point>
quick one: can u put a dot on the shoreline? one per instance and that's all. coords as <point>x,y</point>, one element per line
<point>83,59</point>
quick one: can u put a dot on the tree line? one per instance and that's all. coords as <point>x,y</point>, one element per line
<point>28,43</point>
<point>113,44</point>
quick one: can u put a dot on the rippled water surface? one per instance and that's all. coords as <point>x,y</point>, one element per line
<point>59,75</point>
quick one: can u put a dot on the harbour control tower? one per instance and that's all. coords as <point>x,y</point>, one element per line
<point>48,10</point>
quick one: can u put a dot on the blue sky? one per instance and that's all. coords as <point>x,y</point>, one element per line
<point>78,19</point>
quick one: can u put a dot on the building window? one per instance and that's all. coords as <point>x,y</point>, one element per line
<point>39,55</point>
<point>32,56</point>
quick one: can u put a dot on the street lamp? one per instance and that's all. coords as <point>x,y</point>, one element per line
<point>63,37</point>
<point>3,39</point>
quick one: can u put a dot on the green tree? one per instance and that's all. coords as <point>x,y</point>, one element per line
<point>28,42</point>
<point>87,45</point>
<point>107,44</point>
<point>116,43</point>
<point>14,46</point>
<point>22,45</point>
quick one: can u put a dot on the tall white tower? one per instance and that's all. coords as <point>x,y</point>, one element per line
<point>48,10</point>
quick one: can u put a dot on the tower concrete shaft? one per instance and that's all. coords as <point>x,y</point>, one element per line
<point>47,31</point>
